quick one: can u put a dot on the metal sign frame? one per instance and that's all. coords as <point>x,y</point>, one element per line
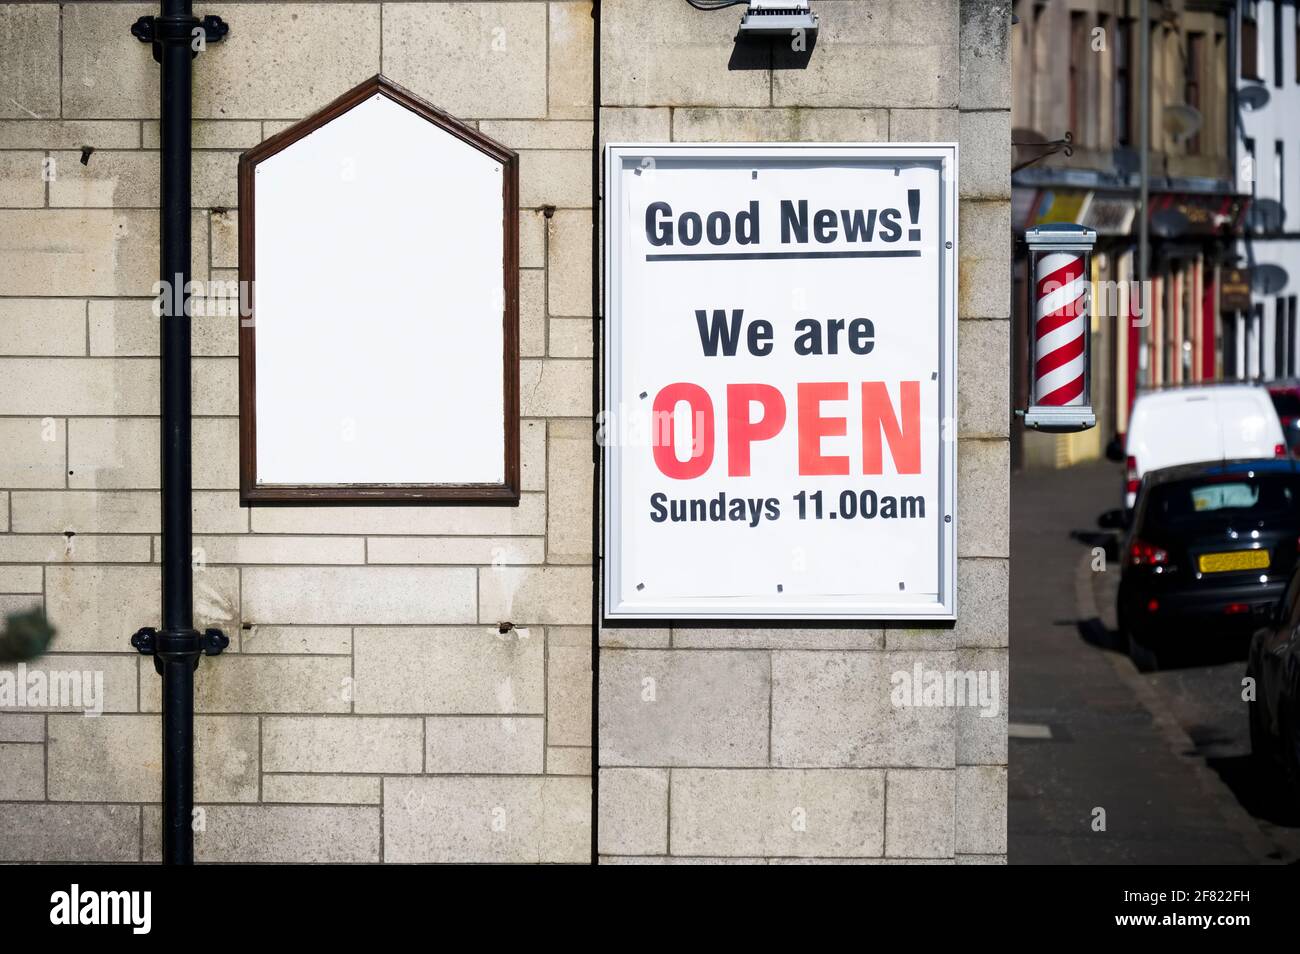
<point>624,156</point>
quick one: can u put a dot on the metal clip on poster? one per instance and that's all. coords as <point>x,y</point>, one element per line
<point>1060,343</point>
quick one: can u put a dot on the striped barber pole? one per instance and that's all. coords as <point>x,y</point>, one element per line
<point>1060,323</point>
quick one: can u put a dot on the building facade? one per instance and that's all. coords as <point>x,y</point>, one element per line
<point>1077,68</point>
<point>782,743</point>
<point>1261,340</point>
<point>370,707</point>
<point>357,717</point>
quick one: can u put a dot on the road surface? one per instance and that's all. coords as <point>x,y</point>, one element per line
<point>1110,766</point>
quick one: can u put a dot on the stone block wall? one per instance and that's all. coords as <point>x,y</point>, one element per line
<point>369,709</point>
<point>782,745</point>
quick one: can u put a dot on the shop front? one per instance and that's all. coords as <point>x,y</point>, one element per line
<point>1172,335</point>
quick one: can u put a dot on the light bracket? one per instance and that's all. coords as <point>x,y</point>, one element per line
<point>777,18</point>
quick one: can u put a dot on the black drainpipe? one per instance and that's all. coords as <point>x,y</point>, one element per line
<point>177,36</point>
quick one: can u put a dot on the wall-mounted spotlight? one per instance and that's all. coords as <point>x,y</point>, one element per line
<point>767,17</point>
<point>777,18</point>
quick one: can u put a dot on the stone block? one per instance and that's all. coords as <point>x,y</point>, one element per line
<point>484,745</point>
<point>669,56</point>
<point>665,708</point>
<point>540,595</point>
<point>778,812</point>
<point>981,792</point>
<point>342,744</point>
<point>633,809</point>
<point>29,49</point>
<point>495,819</point>
<point>491,61</point>
<point>838,709</point>
<point>919,812</point>
<point>983,405</point>
<point>34,452</point>
<point>571,57</point>
<point>371,594</point>
<point>878,53</point>
<point>984,265</point>
<point>462,670</point>
<point>983,498</point>
<point>49,832</point>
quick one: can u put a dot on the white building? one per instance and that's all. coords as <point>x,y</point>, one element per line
<point>1264,343</point>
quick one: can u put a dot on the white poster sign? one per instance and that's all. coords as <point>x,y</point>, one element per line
<point>780,382</point>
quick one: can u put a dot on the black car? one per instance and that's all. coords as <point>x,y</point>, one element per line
<point>1274,665</point>
<point>1210,549</point>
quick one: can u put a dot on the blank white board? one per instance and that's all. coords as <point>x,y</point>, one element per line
<point>382,352</point>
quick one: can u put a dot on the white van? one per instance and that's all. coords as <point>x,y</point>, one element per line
<point>1195,424</point>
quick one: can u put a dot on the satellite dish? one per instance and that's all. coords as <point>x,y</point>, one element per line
<point>1126,161</point>
<point>1253,98</point>
<point>1181,122</point>
<point>1265,215</point>
<point>1169,223</point>
<point>1268,279</point>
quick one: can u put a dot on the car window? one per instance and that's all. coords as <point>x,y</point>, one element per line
<point>1239,496</point>
<point>1287,405</point>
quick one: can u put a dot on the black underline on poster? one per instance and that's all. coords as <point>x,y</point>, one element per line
<point>741,256</point>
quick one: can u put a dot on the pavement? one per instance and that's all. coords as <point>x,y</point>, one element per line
<point>1109,765</point>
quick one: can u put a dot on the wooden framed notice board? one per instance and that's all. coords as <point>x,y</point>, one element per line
<point>379,346</point>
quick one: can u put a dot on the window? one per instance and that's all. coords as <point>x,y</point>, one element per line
<point>1124,83</point>
<point>1252,167</point>
<point>1277,43</point>
<point>1279,176</point>
<point>1192,84</point>
<point>1078,74</point>
<point>1253,496</point>
<point>1257,331</point>
<point>1286,403</point>
<point>1039,70</point>
<point>1279,339</point>
<point>1102,107</point>
<point>1292,318</point>
<point>1231,360</point>
<point>1249,42</point>
<point>1216,124</point>
<point>1022,65</point>
<point>1291,336</point>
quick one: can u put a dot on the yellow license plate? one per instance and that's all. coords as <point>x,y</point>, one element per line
<point>1236,560</point>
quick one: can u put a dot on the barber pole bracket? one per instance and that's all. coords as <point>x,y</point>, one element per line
<point>1060,303</point>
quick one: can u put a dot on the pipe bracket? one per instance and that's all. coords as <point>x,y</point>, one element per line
<point>214,642</point>
<point>178,645</point>
<point>181,30</point>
